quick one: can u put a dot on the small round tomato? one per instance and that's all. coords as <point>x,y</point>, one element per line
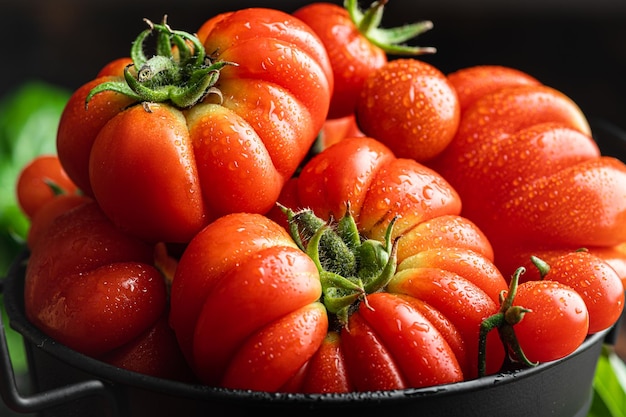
<point>411,107</point>
<point>555,325</point>
<point>39,181</point>
<point>356,45</point>
<point>594,279</point>
<point>218,122</point>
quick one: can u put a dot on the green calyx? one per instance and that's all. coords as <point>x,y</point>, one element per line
<point>390,40</point>
<point>180,72</point>
<point>504,320</point>
<point>350,267</point>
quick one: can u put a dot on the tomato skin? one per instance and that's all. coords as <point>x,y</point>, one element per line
<point>93,288</point>
<point>378,186</point>
<point>197,274</point>
<point>32,189</point>
<point>160,140</point>
<point>586,272</point>
<point>262,279</point>
<point>531,176</point>
<point>352,55</point>
<point>465,304</point>
<point>335,130</point>
<point>473,82</point>
<point>44,217</point>
<point>418,338</point>
<point>78,128</point>
<point>261,126</point>
<point>140,354</point>
<point>411,107</point>
<point>558,322</point>
<point>326,371</point>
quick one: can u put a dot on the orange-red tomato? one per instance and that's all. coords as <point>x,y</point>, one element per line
<point>40,181</point>
<point>556,324</point>
<point>225,141</point>
<point>531,176</point>
<point>411,107</point>
<point>97,291</point>
<point>591,276</point>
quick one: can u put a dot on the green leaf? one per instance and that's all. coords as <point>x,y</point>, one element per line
<point>609,386</point>
<point>29,118</point>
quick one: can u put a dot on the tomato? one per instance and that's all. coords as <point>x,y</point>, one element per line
<point>225,140</point>
<point>39,181</point>
<point>591,276</point>
<point>530,175</point>
<point>95,290</point>
<point>411,107</point>
<point>48,212</point>
<point>335,130</point>
<point>429,232</point>
<point>387,284</point>
<point>356,45</point>
<point>270,290</point>
<point>471,83</point>
<point>557,321</point>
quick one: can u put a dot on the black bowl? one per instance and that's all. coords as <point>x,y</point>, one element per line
<point>67,383</point>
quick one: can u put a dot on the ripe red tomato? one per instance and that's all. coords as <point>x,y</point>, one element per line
<point>531,176</point>
<point>40,181</point>
<point>95,289</point>
<point>270,290</point>
<point>356,46</point>
<point>48,212</point>
<point>591,276</point>
<point>411,107</point>
<point>224,141</point>
<point>557,323</point>
<point>430,233</point>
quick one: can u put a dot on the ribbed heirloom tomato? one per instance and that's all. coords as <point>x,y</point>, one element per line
<point>531,176</point>
<point>207,126</point>
<point>98,291</point>
<point>378,285</point>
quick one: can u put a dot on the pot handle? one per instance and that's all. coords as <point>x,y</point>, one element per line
<point>42,400</point>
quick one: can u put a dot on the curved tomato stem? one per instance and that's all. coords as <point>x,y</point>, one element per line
<point>390,40</point>
<point>180,73</point>
<point>541,265</point>
<point>504,320</point>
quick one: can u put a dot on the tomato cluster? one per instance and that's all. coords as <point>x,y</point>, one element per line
<point>441,227</point>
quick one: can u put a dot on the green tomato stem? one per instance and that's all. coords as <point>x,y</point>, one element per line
<point>390,40</point>
<point>181,79</point>
<point>350,268</point>
<point>504,320</point>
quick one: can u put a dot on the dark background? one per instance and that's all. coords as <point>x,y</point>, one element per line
<point>576,46</point>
